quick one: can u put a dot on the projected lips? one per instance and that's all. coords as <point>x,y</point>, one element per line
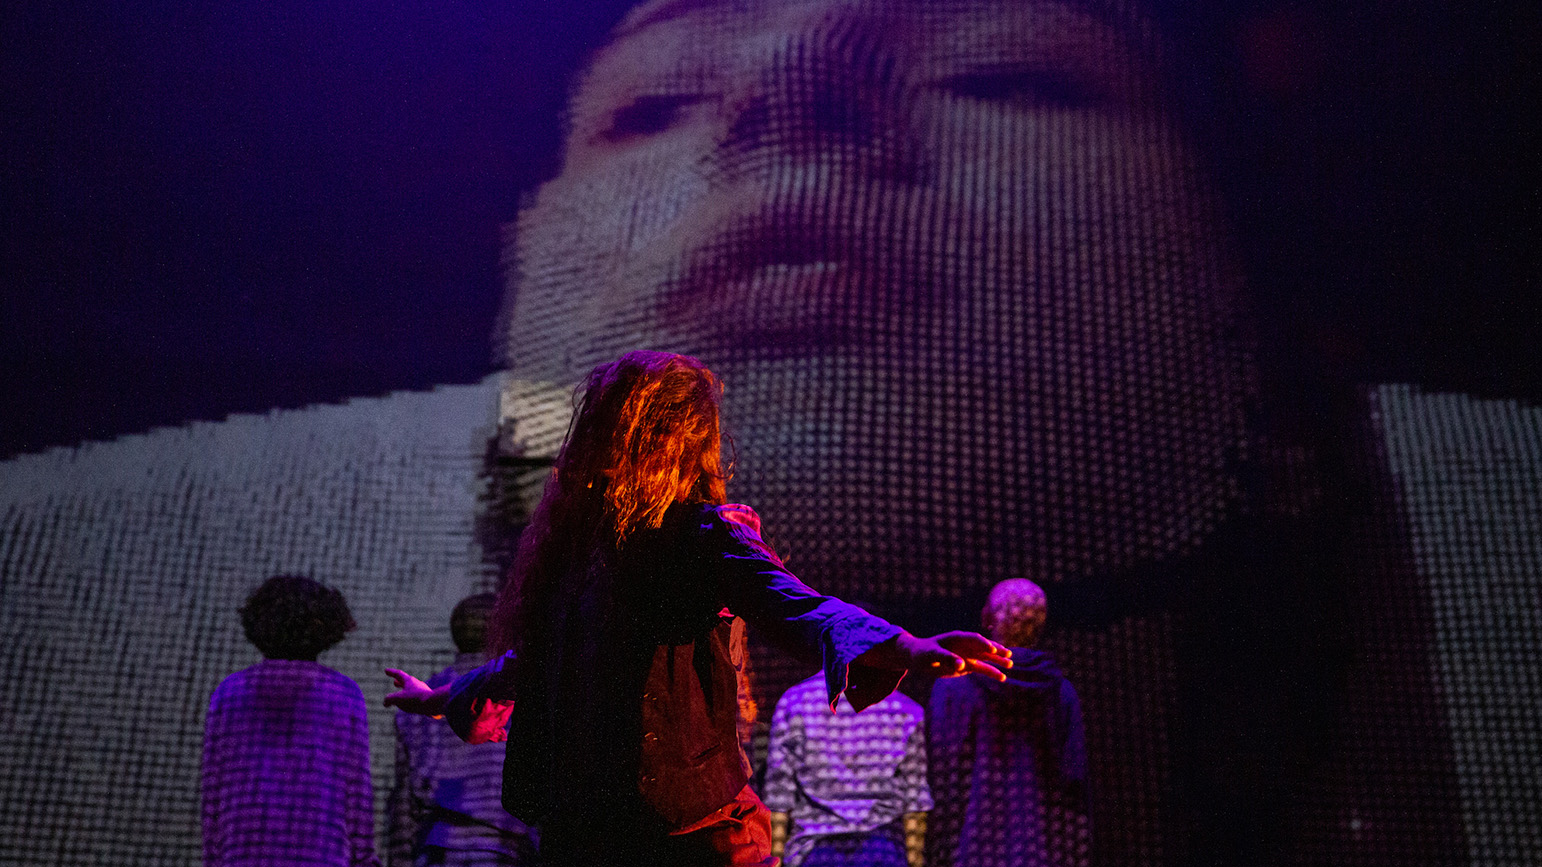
<point>791,278</point>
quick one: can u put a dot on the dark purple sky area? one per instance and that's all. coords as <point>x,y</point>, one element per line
<point>229,207</point>
<point>217,208</point>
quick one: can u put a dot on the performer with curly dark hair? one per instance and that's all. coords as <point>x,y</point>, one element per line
<point>623,639</point>
<point>286,743</point>
<point>293,617</point>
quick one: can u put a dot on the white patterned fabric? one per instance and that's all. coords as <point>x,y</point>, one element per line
<point>844,772</point>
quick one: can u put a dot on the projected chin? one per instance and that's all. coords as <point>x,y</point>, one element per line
<point>953,260</point>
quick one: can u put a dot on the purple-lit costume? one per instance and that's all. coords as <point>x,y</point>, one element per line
<point>846,779</point>
<point>625,724</point>
<point>286,769</point>
<point>445,808</point>
<point>1008,769</point>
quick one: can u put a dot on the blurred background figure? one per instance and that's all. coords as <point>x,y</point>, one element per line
<point>286,745</point>
<point>1008,761</point>
<point>444,808</point>
<point>847,788</point>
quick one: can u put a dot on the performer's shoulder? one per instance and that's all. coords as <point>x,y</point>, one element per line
<point>740,514</point>
<point>707,517</point>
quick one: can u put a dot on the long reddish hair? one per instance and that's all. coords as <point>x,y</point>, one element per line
<point>645,435</point>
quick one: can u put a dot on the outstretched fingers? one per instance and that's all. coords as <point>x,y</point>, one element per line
<point>977,654</point>
<point>408,690</point>
<point>975,666</point>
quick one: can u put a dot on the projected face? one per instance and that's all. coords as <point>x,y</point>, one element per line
<point>952,259</point>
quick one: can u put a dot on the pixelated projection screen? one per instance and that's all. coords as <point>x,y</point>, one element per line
<point>974,303</point>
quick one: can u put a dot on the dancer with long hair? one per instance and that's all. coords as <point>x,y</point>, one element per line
<point>622,643</point>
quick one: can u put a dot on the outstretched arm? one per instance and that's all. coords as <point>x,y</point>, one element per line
<point>757,586</point>
<point>474,716</point>
<point>947,655</point>
<point>415,696</point>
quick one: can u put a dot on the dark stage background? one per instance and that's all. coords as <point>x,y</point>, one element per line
<point>254,320</point>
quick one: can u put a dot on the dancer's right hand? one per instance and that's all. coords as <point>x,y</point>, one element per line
<point>415,696</point>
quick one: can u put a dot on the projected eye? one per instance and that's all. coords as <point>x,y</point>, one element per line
<point>1028,87</point>
<point>648,116</point>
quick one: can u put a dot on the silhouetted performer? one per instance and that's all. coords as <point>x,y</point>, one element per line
<point>623,742</point>
<point>286,745</point>
<point>445,808</point>
<point>1008,760</point>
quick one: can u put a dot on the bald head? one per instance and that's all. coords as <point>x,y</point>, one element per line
<point>1014,613</point>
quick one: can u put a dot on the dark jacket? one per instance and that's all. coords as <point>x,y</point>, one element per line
<point>630,707</point>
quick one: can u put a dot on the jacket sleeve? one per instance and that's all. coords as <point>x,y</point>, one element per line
<point>481,701</point>
<point>756,585</point>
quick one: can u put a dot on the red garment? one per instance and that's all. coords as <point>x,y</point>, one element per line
<point>739,831</point>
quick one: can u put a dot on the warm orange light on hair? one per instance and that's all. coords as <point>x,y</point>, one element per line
<point>645,436</point>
